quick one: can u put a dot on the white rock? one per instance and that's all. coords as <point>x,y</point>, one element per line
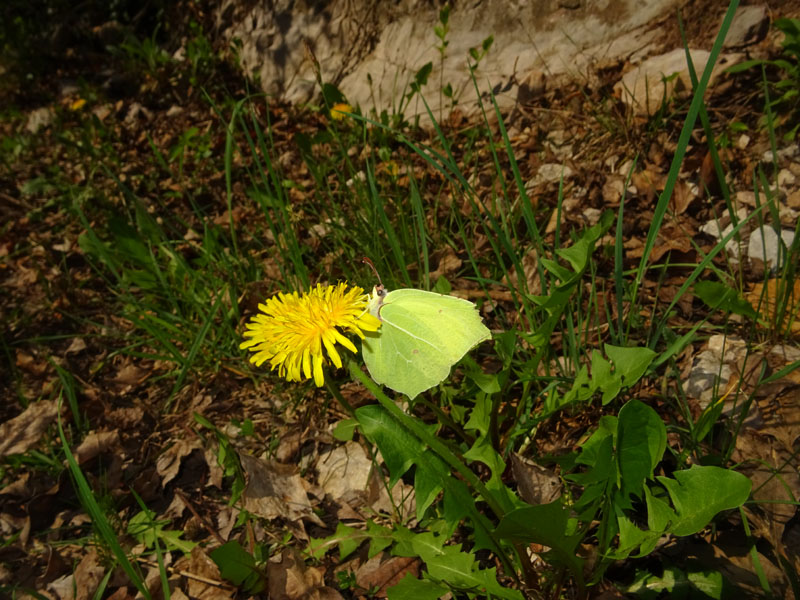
<point>548,173</point>
<point>41,117</point>
<point>711,368</point>
<point>786,178</point>
<point>764,246</point>
<point>647,86</point>
<point>732,247</point>
<point>787,152</point>
<point>750,25</point>
<point>743,141</point>
<point>373,54</point>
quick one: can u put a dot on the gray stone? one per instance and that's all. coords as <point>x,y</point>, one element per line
<point>749,26</point>
<point>549,173</point>
<point>646,87</point>
<point>372,50</point>
<point>41,117</point>
<point>765,246</point>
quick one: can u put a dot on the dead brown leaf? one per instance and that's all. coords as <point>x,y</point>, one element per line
<point>449,264</point>
<point>536,484</point>
<point>649,182</point>
<point>679,243</point>
<point>95,444</point>
<point>24,431</point>
<point>291,579</point>
<point>88,574</point>
<point>78,345</point>
<point>275,490</point>
<point>30,363</point>
<point>681,198</point>
<point>344,469</point>
<point>204,581</point>
<point>775,297</point>
<point>130,375</point>
<point>383,571</point>
<point>169,462</point>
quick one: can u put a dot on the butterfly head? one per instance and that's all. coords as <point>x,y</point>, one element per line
<point>376,300</point>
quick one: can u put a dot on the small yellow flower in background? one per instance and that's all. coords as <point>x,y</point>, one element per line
<point>392,168</point>
<point>340,110</point>
<point>77,105</point>
<point>292,330</point>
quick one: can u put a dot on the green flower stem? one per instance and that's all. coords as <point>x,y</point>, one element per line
<point>432,442</point>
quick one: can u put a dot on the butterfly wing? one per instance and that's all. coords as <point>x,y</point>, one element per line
<point>422,335</point>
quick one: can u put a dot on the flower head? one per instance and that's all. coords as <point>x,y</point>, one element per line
<point>292,330</point>
<point>340,110</point>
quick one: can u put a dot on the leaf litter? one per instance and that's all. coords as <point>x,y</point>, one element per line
<point>305,481</point>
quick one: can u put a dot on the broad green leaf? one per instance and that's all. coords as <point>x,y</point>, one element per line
<point>561,273</point>
<point>411,588</point>
<point>717,295</point>
<point>146,530</point>
<point>459,570</point>
<point>380,538</point>
<point>400,449</point>
<point>598,445</point>
<point>629,363</point>
<point>709,582</point>
<point>641,441</point>
<point>480,416</point>
<point>631,538</point>
<point>603,379</point>
<point>548,525</point>
<point>238,566</point>
<point>701,492</point>
<point>345,537</point>
<point>659,513</point>
<point>483,451</point>
<point>344,430</point>
<point>488,383</point>
<point>397,444</point>
<point>331,94</point>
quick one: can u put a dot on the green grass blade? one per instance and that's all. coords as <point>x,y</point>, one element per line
<point>99,519</point>
<point>680,151</point>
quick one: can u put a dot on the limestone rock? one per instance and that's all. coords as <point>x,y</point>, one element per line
<point>371,50</point>
<point>647,86</point>
<point>749,26</point>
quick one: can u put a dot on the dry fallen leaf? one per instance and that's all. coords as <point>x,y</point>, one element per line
<point>536,484</point>
<point>773,299</point>
<point>344,469</point>
<point>88,574</point>
<point>681,197</point>
<point>23,432</point>
<point>291,579</point>
<point>169,462</point>
<point>383,571</point>
<point>204,581</point>
<point>275,490</point>
<point>449,264</point>
<point>95,444</point>
<point>130,375</point>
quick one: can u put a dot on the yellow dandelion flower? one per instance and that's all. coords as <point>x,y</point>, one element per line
<point>292,330</point>
<point>340,110</point>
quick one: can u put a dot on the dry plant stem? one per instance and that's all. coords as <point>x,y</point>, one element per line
<point>200,578</point>
<point>197,516</point>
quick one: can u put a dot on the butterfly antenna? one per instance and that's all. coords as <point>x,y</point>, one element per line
<point>369,262</point>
